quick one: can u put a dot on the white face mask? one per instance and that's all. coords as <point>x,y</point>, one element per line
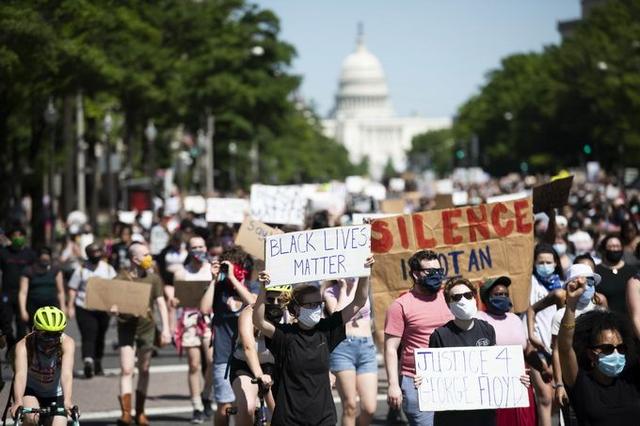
<point>464,309</point>
<point>309,317</point>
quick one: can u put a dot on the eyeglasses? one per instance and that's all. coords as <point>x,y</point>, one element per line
<point>608,348</point>
<point>458,297</point>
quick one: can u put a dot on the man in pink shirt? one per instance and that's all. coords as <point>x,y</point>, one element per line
<point>410,320</point>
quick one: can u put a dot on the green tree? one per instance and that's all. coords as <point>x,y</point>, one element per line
<point>432,150</point>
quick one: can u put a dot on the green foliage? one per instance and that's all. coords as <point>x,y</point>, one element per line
<point>432,150</point>
<point>544,108</point>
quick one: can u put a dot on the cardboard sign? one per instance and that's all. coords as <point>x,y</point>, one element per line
<point>130,297</point>
<point>195,204</point>
<point>282,204</point>
<point>319,254</point>
<point>471,378</point>
<point>227,210</point>
<point>251,237</point>
<point>392,206</point>
<point>189,293</point>
<point>443,201</point>
<point>507,197</point>
<point>476,242</point>
<point>550,195</point>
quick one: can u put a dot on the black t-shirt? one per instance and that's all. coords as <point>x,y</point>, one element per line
<point>614,286</point>
<point>616,404</point>
<point>12,263</point>
<point>303,394</point>
<point>448,336</point>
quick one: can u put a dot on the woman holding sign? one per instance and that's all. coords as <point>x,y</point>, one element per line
<point>303,393</point>
<point>599,363</point>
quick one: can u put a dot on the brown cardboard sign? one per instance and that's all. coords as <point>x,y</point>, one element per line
<point>130,297</point>
<point>189,293</point>
<point>475,242</point>
<point>552,194</point>
<point>251,237</point>
<point>392,206</point>
<point>443,201</point>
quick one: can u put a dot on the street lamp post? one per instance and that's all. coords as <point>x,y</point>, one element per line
<point>51,117</point>
<point>233,150</point>
<point>151,133</point>
<point>108,126</point>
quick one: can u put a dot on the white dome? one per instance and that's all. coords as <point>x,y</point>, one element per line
<point>362,88</point>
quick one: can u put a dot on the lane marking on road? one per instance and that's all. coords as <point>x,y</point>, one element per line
<point>161,411</point>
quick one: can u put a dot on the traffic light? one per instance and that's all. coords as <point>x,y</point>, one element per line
<point>460,154</point>
<point>586,149</point>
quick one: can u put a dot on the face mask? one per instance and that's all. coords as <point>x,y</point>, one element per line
<point>431,282</point>
<point>18,242</point>
<point>94,259</point>
<point>45,264</point>
<point>47,344</point>
<point>560,248</point>
<point>613,256</point>
<point>309,317</point>
<point>146,262</point>
<point>499,304</point>
<point>273,313</point>
<point>464,309</point>
<point>200,255</point>
<point>611,365</point>
<point>545,269</point>
<point>586,297</point>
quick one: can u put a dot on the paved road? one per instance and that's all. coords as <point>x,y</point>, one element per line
<point>168,402</point>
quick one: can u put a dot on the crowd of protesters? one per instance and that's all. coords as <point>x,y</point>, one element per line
<point>578,336</point>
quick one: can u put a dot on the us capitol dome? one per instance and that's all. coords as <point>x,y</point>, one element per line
<point>363,120</point>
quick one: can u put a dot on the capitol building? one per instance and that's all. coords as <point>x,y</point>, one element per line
<point>363,119</point>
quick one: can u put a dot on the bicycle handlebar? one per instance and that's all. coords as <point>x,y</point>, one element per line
<point>50,411</point>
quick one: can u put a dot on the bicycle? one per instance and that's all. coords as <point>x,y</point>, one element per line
<point>261,417</point>
<point>47,413</point>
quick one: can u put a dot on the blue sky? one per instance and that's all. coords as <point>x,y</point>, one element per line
<point>435,53</point>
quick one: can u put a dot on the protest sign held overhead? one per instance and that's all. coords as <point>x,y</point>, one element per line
<point>319,254</point>
<point>471,378</point>
<point>282,204</point>
<point>475,242</point>
<point>251,237</point>
<point>552,194</point>
<point>130,297</point>
<point>227,210</point>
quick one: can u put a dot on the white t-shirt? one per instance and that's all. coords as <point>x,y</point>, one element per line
<point>557,317</point>
<point>81,275</point>
<point>544,317</point>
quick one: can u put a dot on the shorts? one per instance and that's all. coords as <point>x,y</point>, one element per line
<point>222,390</point>
<point>194,334</point>
<point>240,368</point>
<point>355,353</point>
<point>46,401</point>
<point>138,333</point>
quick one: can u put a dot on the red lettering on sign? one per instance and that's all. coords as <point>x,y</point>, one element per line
<point>478,224</point>
<point>402,227</point>
<point>501,230</point>
<point>521,207</point>
<point>418,229</point>
<point>448,217</point>
<point>384,242</point>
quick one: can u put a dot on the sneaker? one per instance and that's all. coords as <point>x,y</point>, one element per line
<point>98,371</point>
<point>198,417</point>
<point>208,408</point>
<point>88,368</point>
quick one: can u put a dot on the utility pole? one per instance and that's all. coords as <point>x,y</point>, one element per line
<point>81,158</point>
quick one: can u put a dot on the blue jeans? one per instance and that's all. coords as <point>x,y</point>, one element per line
<point>355,353</point>
<point>410,404</point>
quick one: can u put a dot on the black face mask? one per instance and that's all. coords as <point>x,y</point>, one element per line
<point>94,259</point>
<point>613,256</point>
<point>273,313</point>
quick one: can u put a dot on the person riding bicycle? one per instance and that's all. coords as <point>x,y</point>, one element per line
<point>44,367</point>
<point>252,364</point>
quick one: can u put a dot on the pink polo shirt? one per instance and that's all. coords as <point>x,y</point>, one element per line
<point>413,317</point>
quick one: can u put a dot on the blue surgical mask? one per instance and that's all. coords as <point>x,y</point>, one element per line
<point>611,365</point>
<point>431,282</point>
<point>545,269</point>
<point>586,297</point>
<point>560,248</point>
<point>499,304</point>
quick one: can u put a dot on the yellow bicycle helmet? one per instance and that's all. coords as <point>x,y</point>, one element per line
<point>49,318</point>
<point>283,288</point>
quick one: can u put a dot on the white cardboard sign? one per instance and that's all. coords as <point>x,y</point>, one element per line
<point>280,204</point>
<point>227,210</point>
<point>471,378</point>
<point>195,203</point>
<point>319,254</point>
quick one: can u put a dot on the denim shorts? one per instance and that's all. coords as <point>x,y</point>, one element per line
<point>222,390</point>
<point>355,353</point>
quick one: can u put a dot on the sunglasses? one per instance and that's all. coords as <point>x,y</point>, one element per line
<point>458,297</point>
<point>607,349</point>
<point>432,271</point>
